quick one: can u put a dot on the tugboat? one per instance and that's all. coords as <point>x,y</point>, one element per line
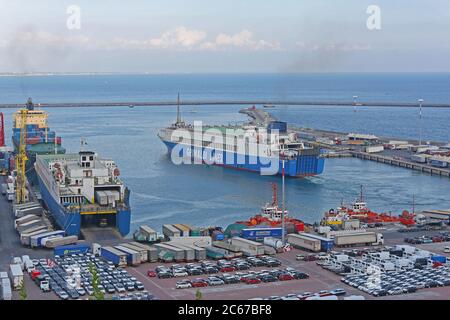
<point>359,210</point>
<point>271,216</point>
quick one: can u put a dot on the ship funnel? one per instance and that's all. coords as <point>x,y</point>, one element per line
<point>30,104</point>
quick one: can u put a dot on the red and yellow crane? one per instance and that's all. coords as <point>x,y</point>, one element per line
<point>21,159</point>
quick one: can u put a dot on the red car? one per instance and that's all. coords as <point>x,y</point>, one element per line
<point>285,277</point>
<point>199,284</point>
<point>151,273</point>
<point>252,281</point>
<point>227,269</point>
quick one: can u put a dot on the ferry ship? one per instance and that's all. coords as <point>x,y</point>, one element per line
<point>252,147</point>
<point>81,190</point>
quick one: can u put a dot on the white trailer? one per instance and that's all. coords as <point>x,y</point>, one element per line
<point>6,289</point>
<point>24,219</point>
<point>358,238</point>
<point>152,252</point>
<point>248,247</point>
<point>170,231</point>
<point>302,242</point>
<point>16,275</point>
<point>59,241</point>
<point>143,252</point>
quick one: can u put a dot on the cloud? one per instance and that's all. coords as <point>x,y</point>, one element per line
<point>41,38</point>
<point>243,39</point>
<point>333,46</point>
<point>182,38</point>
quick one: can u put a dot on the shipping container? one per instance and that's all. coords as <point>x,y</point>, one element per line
<point>170,231</point>
<point>142,252</point>
<point>152,252</point>
<point>248,247</point>
<point>59,241</point>
<point>215,253</point>
<point>261,233</point>
<point>36,240</point>
<point>184,231</point>
<point>16,276</point>
<point>189,253</point>
<point>200,241</point>
<point>326,244</point>
<point>133,257</point>
<point>374,149</point>
<point>200,253</point>
<point>177,253</point>
<point>440,259</point>
<point>299,241</point>
<point>117,257</point>
<point>80,248</point>
<point>281,126</point>
<point>149,234</point>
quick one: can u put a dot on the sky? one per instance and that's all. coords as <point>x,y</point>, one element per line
<point>224,36</point>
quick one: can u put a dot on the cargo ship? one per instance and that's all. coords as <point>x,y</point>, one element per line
<point>268,149</point>
<point>81,191</point>
<point>271,216</point>
<point>39,138</point>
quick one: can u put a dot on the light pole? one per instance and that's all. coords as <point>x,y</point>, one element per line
<point>420,121</point>
<point>282,205</point>
<point>354,103</point>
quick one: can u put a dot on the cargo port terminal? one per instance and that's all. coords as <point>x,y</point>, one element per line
<point>250,259</point>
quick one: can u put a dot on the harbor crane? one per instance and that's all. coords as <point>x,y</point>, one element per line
<point>21,156</point>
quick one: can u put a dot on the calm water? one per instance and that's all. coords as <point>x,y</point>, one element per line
<point>165,193</point>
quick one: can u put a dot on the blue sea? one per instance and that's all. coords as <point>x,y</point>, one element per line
<point>200,195</point>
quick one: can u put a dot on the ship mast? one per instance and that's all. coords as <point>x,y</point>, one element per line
<point>178,109</point>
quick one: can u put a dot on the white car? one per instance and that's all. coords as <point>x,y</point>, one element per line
<point>183,285</point>
<point>179,273</point>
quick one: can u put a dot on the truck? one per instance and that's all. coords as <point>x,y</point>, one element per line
<point>358,238</point>
<point>374,149</point>
<point>119,258</point>
<point>6,289</point>
<point>299,241</point>
<point>133,257</point>
<point>199,241</point>
<point>16,275</point>
<point>142,252</point>
<point>248,247</point>
<point>28,265</point>
<point>258,234</point>
<point>152,252</point>
<point>200,253</point>
<point>36,210</point>
<point>59,241</point>
<point>36,240</point>
<point>170,231</point>
<point>96,247</point>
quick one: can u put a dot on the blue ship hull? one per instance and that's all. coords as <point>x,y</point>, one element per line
<point>70,221</point>
<point>302,166</point>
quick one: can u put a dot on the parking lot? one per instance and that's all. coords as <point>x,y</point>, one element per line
<point>318,280</point>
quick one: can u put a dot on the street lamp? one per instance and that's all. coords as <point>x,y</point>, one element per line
<point>420,121</point>
<point>282,205</point>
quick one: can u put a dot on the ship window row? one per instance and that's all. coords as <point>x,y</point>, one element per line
<point>72,199</point>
